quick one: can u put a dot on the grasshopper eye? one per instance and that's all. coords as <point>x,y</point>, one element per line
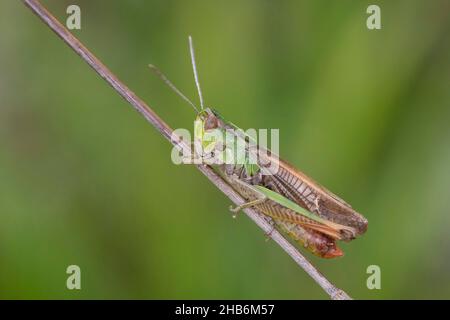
<point>211,122</point>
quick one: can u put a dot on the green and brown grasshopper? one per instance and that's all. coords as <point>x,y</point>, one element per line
<point>297,205</point>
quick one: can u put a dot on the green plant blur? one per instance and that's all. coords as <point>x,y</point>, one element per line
<point>85,180</point>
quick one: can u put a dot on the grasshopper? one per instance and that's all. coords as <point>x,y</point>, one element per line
<point>296,205</point>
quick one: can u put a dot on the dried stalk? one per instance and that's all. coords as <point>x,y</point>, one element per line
<point>263,222</point>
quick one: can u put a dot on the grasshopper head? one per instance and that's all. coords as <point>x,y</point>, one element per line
<point>207,124</point>
<point>210,119</point>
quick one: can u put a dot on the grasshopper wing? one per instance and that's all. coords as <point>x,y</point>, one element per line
<point>295,185</point>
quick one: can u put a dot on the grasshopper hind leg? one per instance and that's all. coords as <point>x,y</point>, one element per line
<point>256,196</point>
<point>247,205</point>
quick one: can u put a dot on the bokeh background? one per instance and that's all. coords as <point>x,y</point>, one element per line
<point>85,180</point>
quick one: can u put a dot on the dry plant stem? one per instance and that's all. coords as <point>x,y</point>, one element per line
<point>166,131</point>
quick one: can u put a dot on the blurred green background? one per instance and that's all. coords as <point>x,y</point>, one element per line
<point>85,180</point>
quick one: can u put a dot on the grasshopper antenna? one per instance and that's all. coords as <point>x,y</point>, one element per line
<point>194,67</point>
<point>161,75</point>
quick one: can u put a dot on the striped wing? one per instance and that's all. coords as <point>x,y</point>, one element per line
<point>295,185</point>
